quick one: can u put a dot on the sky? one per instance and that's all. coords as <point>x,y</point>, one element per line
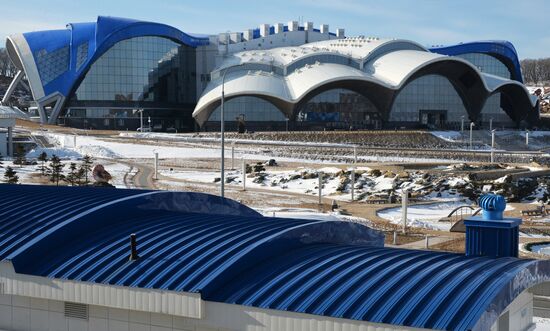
<point>429,22</point>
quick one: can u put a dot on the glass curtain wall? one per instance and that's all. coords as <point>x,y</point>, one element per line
<point>152,73</point>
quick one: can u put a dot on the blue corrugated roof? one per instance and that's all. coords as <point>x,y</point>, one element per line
<point>201,243</point>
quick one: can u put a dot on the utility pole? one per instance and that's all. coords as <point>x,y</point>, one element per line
<point>233,156</point>
<point>352,184</point>
<point>320,175</point>
<point>244,175</point>
<point>471,134</point>
<point>155,177</point>
<point>493,146</point>
<point>404,206</point>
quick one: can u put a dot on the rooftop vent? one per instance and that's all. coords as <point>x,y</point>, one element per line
<point>76,310</point>
<point>491,234</point>
<point>133,248</point>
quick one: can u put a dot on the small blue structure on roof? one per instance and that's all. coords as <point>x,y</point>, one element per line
<point>230,254</point>
<point>491,234</point>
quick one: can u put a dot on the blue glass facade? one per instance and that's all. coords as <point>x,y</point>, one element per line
<point>152,73</point>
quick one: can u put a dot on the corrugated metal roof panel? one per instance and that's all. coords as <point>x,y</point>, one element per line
<point>230,254</point>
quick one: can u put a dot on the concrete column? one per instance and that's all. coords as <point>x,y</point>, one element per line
<point>10,141</point>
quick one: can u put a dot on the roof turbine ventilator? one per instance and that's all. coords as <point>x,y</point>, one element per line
<point>493,206</point>
<point>492,235</point>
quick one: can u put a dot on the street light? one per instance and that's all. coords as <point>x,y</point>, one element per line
<point>491,124</point>
<point>222,129</point>
<point>493,146</point>
<point>471,130</point>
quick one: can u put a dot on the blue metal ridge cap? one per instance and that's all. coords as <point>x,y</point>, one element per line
<point>358,282</point>
<point>478,221</point>
<point>501,49</point>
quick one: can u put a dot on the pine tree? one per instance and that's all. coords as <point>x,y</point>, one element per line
<point>20,156</point>
<point>56,168</point>
<point>86,167</point>
<point>43,157</point>
<point>10,176</point>
<point>72,177</point>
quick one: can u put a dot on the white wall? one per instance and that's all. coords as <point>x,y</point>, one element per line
<point>20,313</point>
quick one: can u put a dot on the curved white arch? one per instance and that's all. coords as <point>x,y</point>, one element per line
<point>18,44</point>
<point>391,71</point>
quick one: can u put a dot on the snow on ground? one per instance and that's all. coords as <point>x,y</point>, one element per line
<point>541,324</point>
<point>107,148</point>
<point>423,216</point>
<point>117,171</point>
<point>451,136</point>
<point>309,214</point>
<point>62,153</point>
<point>24,173</point>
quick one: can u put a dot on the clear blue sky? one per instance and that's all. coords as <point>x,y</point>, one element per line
<point>523,22</point>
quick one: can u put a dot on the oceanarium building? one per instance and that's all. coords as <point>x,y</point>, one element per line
<point>98,74</point>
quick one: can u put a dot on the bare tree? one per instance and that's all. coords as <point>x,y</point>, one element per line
<point>7,68</point>
<point>536,71</point>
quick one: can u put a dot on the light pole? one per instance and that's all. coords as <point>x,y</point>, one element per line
<point>471,136</point>
<point>491,124</point>
<point>493,146</point>
<point>462,124</point>
<point>222,129</point>
<point>527,138</point>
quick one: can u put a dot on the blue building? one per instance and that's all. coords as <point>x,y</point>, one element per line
<point>103,259</point>
<point>97,74</point>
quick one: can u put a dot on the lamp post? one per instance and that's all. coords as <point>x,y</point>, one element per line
<point>462,124</point>
<point>222,129</point>
<point>491,124</point>
<point>471,134</point>
<point>493,146</point>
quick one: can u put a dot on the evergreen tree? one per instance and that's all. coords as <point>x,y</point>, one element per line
<point>86,167</point>
<point>20,155</point>
<point>43,157</point>
<point>56,168</point>
<point>10,176</point>
<point>72,178</point>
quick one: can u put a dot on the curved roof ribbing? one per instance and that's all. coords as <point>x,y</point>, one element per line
<point>379,69</point>
<point>200,243</point>
<point>75,48</point>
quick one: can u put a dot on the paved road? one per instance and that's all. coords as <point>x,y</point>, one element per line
<point>144,177</point>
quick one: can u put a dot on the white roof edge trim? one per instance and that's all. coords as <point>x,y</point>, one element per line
<point>370,57</point>
<point>29,66</point>
<point>185,304</point>
<point>365,77</point>
<point>506,82</point>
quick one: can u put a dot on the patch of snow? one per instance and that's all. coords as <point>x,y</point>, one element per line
<point>61,152</point>
<point>423,216</point>
<point>451,136</point>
